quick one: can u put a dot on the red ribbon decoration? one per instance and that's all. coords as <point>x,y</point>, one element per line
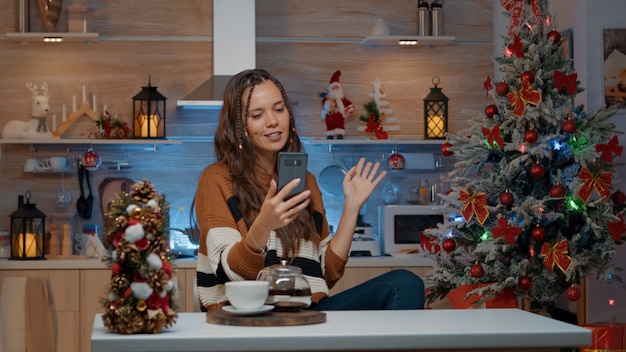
<point>516,8</point>
<point>504,230</point>
<point>600,183</point>
<point>568,81</point>
<point>556,254</point>
<point>488,86</point>
<point>493,135</point>
<point>517,48</point>
<point>519,99</point>
<point>428,244</point>
<point>607,150</point>
<point>617,229</point>
<point>474,204</point>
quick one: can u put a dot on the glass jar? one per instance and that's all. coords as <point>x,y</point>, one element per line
<point>289,289</point>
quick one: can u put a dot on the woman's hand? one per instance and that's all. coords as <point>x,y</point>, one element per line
<point>360,181</point>
<point>277,212</point>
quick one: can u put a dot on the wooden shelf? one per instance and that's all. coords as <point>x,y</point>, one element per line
<point>91,141</point>
<point>41,36</point>
<point>367,141</point>
<point>395,40</point>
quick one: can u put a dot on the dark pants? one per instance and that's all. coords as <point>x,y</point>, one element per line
<point>395,290</point>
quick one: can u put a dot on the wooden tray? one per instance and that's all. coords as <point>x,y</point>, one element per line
<point>305,317</point>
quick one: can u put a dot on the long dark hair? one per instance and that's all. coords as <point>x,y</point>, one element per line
<point>233,148</point>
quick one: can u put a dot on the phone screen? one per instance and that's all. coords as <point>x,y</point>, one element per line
<point>292,165</point>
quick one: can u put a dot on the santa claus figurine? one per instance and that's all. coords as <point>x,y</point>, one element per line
<point>335,108</point>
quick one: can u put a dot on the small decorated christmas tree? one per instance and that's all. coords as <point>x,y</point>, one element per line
<point>533,181</point>
<point>141,294</point>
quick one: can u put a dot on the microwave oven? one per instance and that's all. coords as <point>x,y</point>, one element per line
<point>401,227</point>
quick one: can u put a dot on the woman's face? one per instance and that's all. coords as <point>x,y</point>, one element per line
<point>267,120</point>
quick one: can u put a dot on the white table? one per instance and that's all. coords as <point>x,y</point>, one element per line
<point>423,330</point>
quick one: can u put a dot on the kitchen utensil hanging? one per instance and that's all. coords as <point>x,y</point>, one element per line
<point>83,204</point>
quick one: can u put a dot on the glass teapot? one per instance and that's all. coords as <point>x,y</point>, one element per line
<point>289,289</point>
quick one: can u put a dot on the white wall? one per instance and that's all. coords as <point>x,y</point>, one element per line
<point>587,18</point>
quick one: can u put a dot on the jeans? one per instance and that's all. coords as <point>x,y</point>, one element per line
<point>394,290</point>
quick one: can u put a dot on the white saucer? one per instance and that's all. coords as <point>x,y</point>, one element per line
<point>262,309</point>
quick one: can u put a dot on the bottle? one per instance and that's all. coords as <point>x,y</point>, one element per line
<point>5,245</point>
<point>423,18</point>
<point>436,13</point>
<point>423,192</point>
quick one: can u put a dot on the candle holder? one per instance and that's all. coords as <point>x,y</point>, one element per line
<point>149,113</point>
<point>28,226</point>
<point>435,113</point>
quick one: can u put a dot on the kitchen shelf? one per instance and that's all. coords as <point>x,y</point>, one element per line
<point>354,141</point>
<point>394,40</point>
<point>91,141</point>
<point>41,36</point>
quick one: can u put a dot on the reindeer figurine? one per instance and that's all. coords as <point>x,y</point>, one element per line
<point>36,127</point>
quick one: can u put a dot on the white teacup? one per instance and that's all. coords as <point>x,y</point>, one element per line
<point>33,164</point>
<point>57,162</point>
<point>250,294</point>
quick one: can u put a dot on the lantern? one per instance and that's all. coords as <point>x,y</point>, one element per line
<point>435,113</point>
<point>149,114</point>
<point>28,226</point>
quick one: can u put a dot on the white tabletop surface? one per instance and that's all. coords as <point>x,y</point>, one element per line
<point>357,330</point>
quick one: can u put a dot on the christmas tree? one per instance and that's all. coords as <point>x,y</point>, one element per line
<point>533,180</point>
<point>141,293</point>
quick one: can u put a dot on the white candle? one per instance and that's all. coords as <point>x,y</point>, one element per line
<point>30,248</point>
<point>94,103</point>
<point>104,109</point>
<point>64,113</point>
<point>54,122</point>
<point>84,95</point>
<point>74,103</point>
<point>149,127</point>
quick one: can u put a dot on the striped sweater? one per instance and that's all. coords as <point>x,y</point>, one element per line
<point>223,256</point>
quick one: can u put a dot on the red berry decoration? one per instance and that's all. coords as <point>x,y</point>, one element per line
<point>537,171</point>
<point>448,245</point>
<point>502,89</point>
<point>491,110</point>
<point>569,126</point>
<point>557,191</point>
<point>445,149</point>
<point>573,294</point>
<point>531,136</point>
<point>555,36</point>
<point>538,234</point>
<point>477,271</point>
<point>506,198</point>
<point>618,197</point>
<point>528,76</point>
<point>525,283</point>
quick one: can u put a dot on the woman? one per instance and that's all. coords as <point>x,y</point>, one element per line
<point>246,224</point>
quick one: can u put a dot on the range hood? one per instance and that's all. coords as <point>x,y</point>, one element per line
<point>234,50</point>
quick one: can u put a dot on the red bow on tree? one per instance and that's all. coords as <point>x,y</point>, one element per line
<point>600,183</point>
<point>510,233</point>
<point>607,150</point>
<point>568,81</point>
<point>617,229</point>
<point>518,99</point>
<point>474,204</point>
<point>517,48</point>
<point>556,254</point>
<point>516,8</point>
<point>488,86</point>
<point>493,135</point>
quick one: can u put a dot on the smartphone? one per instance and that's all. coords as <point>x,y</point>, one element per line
<point>292,165</point>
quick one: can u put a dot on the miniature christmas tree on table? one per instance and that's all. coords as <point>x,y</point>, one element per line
<point>533,181</point>
<point>141,294</point>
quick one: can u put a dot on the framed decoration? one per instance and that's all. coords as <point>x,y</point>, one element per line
<point>614,45</point>
<point>567,44</point>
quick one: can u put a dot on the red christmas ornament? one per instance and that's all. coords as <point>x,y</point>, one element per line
<point>448,245</point>
<point>573,294</point>
<point>502,89</point>
<point>477,271</point>
<point>555,36</point>
<point>531,136</point>
<point>528,76</point>
<point>91,160</point>
<point>396,161</point>
<point>537,171</point>
<point>569,126</point>
<point>538,234</point>
<point>525,283</point>
<point>445,149</point>
<point>491,110</point>
<point>618,197</point>
<point>506,198</point>
<point>557,191</point>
